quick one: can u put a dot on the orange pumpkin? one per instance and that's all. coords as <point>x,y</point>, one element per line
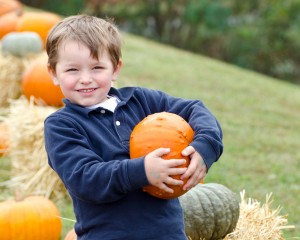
<point>9,22</point>
<point>35,217</point>
<point>38,83</point>
<point>39,22</point>
<point>71,235</point>
<point>158,130</point>
<point>4,139</point>
<point>7,6</point>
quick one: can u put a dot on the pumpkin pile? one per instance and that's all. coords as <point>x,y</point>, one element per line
<point>14,19</point>
<point>23,37</point>
<point>23,60</point>
<point>7,6</point>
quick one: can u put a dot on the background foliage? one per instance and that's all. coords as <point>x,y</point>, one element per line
<point>259,115</point>
<point>262,35</point>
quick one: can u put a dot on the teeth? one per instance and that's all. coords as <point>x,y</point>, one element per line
<point>87,90</point>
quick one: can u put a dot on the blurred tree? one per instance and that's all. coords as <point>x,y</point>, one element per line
<point>262,35</point>
<point>63,7</point>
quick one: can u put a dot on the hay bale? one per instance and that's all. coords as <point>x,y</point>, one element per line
<point>4,139</point>
<point>258,222</point>
<point>30,172</point>
<point>11,72</point>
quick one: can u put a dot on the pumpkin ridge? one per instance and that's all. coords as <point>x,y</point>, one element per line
<point>233,204</point>
<point>50,225</point>
<point>216,205</point>
<point>5,209</point>
<point>39,222</point>
<point>194,214</point>
<point>17,218</point>
<point>197,214</point>
<point>51,222</point>
<point>209,214</point>
<point>221,195</point>
<point>30,223</point>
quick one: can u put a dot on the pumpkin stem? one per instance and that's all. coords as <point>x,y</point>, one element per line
<point>19,195</point>
<point>19,12</point>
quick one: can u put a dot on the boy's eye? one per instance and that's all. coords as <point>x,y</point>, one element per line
<point>71,69</point>
<point>98,67</point>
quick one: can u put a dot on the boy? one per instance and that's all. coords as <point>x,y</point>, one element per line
<point>87,141</point>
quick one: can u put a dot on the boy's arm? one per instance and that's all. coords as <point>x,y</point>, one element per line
<point>83,172</point>
<point>208,133</point>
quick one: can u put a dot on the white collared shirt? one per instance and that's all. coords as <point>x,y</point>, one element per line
<point>110,104</point>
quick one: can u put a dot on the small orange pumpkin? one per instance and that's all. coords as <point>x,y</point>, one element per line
<point>9,22</point>
<point>39,22</point>
<point>35,217</point>
<point>4,139</point>
<point>71,235</point>
<point>38,83</point>
<point>7,6</point>
<point>162,130</point>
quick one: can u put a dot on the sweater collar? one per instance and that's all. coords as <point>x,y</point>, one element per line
<point>124,94</point>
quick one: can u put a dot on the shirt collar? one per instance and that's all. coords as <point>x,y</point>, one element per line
<point>123,94</point>
<point>109,104</point>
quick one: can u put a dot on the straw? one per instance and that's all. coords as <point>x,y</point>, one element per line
<point>30,172</point>
<point>258,222</point>
<point>12,69</point>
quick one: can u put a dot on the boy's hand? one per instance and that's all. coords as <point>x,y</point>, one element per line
<point>196,170</point>
<point>159,171</point>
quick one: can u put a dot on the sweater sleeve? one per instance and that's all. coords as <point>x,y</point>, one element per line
<point>208,133</point>
<point>83,172</point>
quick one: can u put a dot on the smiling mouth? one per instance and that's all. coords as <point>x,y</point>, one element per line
<point>86,90</point>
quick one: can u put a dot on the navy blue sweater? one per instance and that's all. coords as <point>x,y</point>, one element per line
<point>89,150</point>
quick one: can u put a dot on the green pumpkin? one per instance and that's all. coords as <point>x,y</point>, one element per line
<point>211,211</point>
<point>21,44</point>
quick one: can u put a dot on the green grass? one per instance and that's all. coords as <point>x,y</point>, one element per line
<point>260,117</point>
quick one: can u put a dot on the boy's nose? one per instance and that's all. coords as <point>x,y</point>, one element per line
<point>85,79</point>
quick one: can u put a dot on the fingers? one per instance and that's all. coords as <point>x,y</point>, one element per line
<point>188,151</point>
<point>170,182</point>
<point>160,172</point>
<point>196,170</point>
<point>174,163</point>
<point>194,179</point>
<point>193,167</point>
<point>160,152</point>
<point>167,180</point>
<point>171,162</point>
<point>165,188</point>
<point>176,171</point>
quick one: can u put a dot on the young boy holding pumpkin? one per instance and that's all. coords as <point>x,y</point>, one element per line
<point>87,141</point>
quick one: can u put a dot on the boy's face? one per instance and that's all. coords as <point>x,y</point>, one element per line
<point>83,80</point>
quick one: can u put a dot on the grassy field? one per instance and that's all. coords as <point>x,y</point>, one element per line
<point>260,117</point>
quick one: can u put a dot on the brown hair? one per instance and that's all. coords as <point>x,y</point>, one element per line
<point>95,33</point>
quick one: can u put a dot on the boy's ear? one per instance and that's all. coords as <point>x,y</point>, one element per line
<point>117,70</point>
<point>53,75</point>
